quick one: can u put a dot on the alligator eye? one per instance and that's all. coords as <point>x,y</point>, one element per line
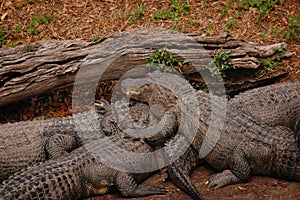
<point>100,108</point>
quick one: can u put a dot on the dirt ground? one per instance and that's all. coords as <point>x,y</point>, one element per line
<point>91,19</point>
<point>258,188</point>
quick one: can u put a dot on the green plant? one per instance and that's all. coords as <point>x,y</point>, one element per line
<point>3,35</point>
<point>263,35</point>
<point>269,65</point>
<point>123,15</point>
<point>95,38</point>
<point>262,6</point>
<point>278,52</point>
<point>220,64</point>
<point>41,117</point>
<point>18,29</point>
<point>243,4</point>
<point>224,10</point>
<point>137,15</point>
<point>276,31</point>
<point>33,31</point>
<point>193,22</point>
<point>226,28</point>
<point>36,22</point>
<point>173,26</point>
<point>11,45</point>
<point>164,15</point>
<point>180,6</point>
<point>186,30</point>
<point>208,29</point>
<point>231,24</point>
<point>177,7</point>
<point>275,17</point>
<point>140,12</point>
<point>163,60</point>
<point>293,29</point>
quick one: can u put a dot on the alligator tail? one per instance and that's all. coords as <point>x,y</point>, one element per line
<point>180,177</point>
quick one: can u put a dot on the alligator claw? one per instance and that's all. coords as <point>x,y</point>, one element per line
<point>150,190</point>
<point>222,179</point>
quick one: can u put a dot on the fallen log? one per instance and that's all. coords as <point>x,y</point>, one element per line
<point>42,66</point>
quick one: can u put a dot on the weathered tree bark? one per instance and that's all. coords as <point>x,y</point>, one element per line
<point>38,67</point>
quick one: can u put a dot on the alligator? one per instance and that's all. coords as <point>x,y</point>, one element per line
<point>279,105</point>
<point>141,112</point>
<point>52,125</point>
<point>133,119</point>
<point>28,142</point>
<point>131,115</point>
<point>124,115</point>
<point>58,128</point>
<point>84,173</point>
<point>242,138</point>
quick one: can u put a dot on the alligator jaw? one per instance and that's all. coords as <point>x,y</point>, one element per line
<point>130,92</point>
<point>134,86</point>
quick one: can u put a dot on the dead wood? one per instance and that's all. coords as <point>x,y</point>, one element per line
<point>38,67</point>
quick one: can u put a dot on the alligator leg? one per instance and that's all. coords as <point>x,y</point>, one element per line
<point>240,167</point>
<point>109,126</point>
<point>60,144</point>
<point>95,182</point>
<point>222,179</point>
<point>100,187</point>
<point>128,187</point>
<point>169,124</point>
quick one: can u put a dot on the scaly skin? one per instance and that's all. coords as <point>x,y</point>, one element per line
<point>269,100</point>
<point>82,174</point>
<point>181,178</point>
<point>245,146</point>
<point>131,117</point>
<point>25,143</point>
<point>126,115</point>
<point>274,105</point>
<point>136,115</point>
<point>133,113</point>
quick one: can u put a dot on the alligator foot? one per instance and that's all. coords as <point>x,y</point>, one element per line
<point>102,187</point>
<point>129,187</point>
<point>240,169</point>
<point>222,179</point>
<point>146,190</point>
